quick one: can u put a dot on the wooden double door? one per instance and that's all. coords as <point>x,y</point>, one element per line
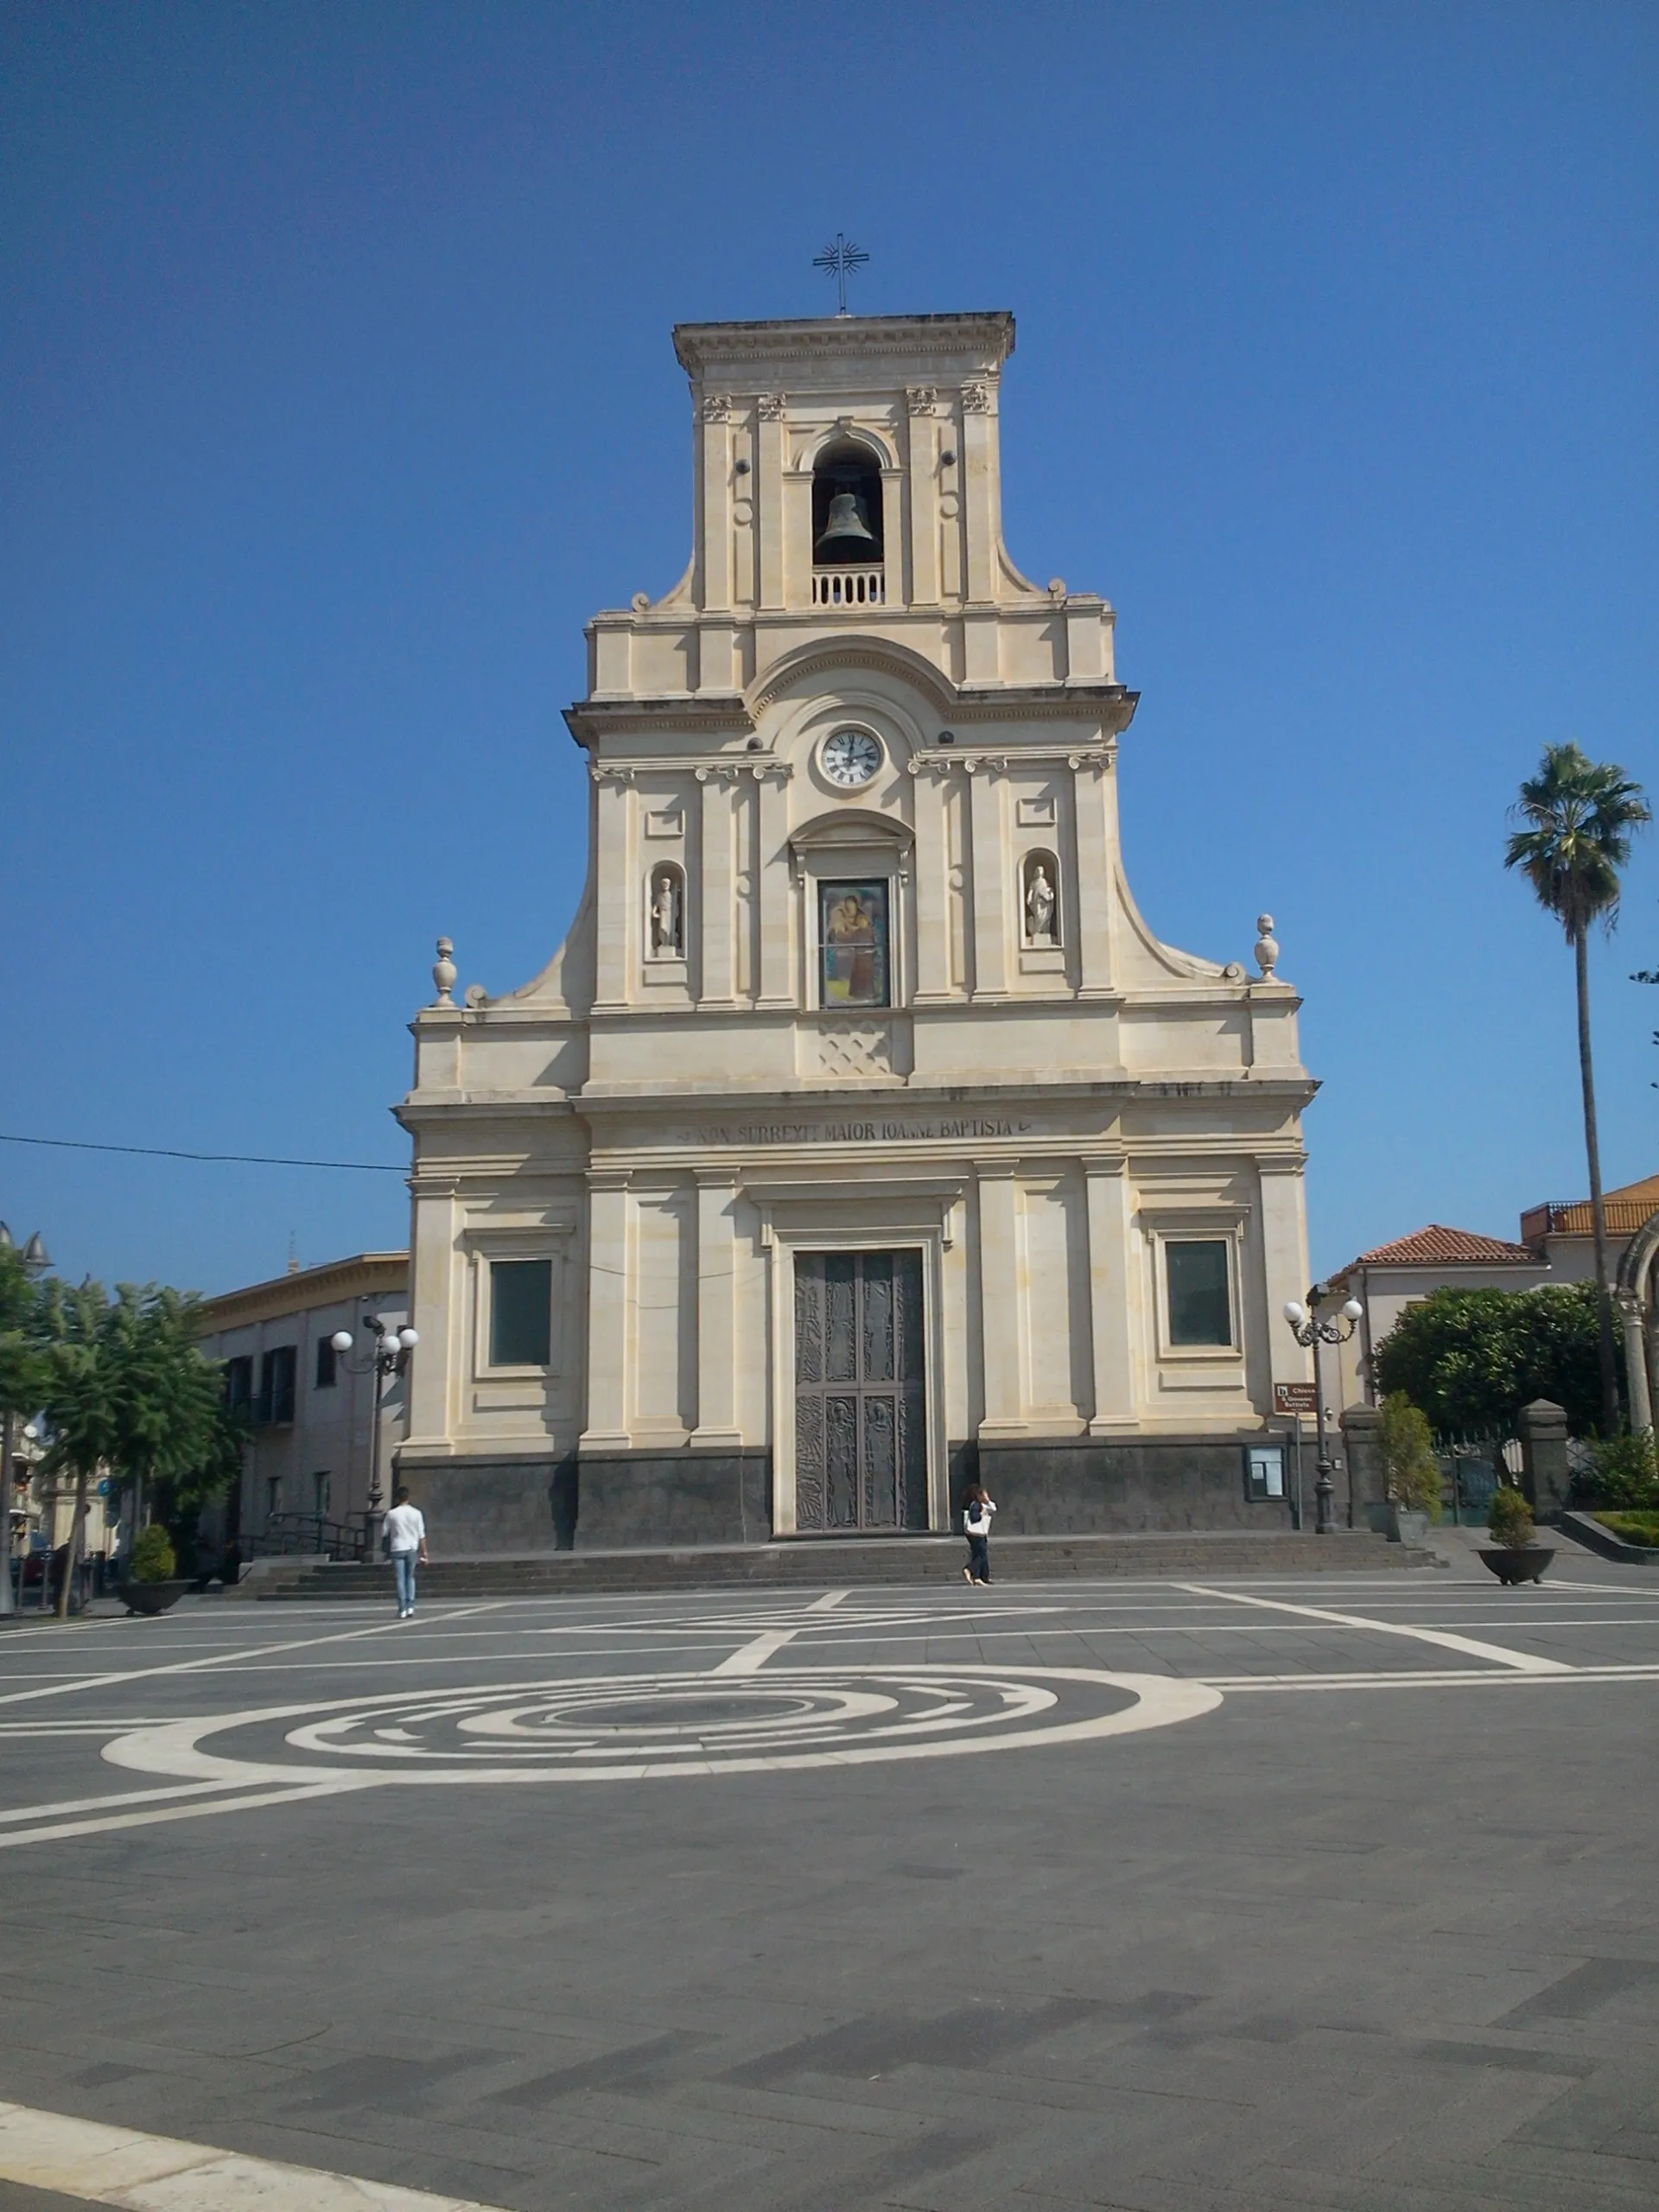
<point>861,1416</point>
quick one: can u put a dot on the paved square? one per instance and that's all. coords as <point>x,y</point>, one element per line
<point>1335,1893</point>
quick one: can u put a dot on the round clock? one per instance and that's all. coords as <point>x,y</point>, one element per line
<point>850,757</point>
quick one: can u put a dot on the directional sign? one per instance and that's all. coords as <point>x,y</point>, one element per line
<point>1295,1398</point>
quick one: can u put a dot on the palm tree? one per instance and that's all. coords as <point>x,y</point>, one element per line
<point>1578,815</point>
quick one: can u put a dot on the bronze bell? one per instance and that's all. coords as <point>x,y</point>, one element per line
<point>846,534</point>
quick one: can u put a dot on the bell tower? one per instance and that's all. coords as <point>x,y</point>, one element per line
<point>848,469</point>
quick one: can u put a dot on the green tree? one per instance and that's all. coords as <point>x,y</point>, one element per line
<point>1411,1472</point>
<point>79,1402</point>
<point>1471,1359</point>
<point>22,1373</point>
<point>128,1390</point>
<point>1578,815</point>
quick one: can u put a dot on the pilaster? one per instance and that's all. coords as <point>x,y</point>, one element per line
<point>777,932</point>
<point>1284,1264</point>
<point>1112,1305</point>
<point>716,1309</point>
<point>1000,1302</point>
<point>990,856</point>
<point>1091,869</point>
<point>923,533</point>
<point>714,888</point>
<point>932,864</point>
<point>617,923</point>
<point>608,1336</point>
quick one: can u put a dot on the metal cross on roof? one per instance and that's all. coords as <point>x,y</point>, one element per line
<point>841,260</point>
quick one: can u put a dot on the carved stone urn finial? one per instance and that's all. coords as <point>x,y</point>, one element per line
<point>1266,948</point>
<point>443,972</point>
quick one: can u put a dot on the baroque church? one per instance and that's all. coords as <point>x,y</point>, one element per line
<point>861,1140</point>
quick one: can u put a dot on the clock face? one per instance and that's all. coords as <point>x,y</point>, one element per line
<point>850,757</point>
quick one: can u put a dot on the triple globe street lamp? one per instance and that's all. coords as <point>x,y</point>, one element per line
<point>388,1358</point>
<point>1308,1330</point>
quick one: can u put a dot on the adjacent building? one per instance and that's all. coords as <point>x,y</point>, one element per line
<point>1556,1246</point>
<point>861,1138</point>
<point>310,1410</point>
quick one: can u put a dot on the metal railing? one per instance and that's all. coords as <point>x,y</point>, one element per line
<point>849,588</point>
<point>291,1534</point>
<point>1571,1218</point>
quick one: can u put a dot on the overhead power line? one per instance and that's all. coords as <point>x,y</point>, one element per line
<point>244,1158</point>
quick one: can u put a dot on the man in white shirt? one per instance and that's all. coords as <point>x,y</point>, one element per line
<point>406,1526</point>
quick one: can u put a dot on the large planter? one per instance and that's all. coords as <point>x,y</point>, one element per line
<point>1408,1524</point>
<point>151,1597</point>
<point>1524,1566</point>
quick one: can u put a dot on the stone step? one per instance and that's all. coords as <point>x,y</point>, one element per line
<point>832,1563</point>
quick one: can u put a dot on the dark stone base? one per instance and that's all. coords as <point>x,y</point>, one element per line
<point>689,1496</point>
<point>617,1500</point>
<point>475,1508</point>
<point>1084,1486</point>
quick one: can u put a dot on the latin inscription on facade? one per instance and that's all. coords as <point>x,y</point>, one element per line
<point>947,1129</point>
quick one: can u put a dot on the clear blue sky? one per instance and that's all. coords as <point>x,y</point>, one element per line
<point>338,392</point>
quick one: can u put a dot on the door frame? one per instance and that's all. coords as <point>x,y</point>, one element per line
<point>781,1244</point>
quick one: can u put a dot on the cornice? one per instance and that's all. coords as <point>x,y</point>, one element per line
<point>699,345</point>
<point>297,1293</point>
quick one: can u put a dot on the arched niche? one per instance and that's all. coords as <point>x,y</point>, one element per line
<point>664,931</point>
<point>1040,923</point>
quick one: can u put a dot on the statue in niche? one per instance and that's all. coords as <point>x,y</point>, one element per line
<point>1039,906</point>
<point>667,932</point>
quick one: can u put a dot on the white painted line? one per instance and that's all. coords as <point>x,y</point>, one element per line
<point>154,2173</point>
<point>1429,1678</point>
<point>244,1802</point>
<point>1524,1662</point>
<point>753,1657</point>
<point>110,1802</point>
<point>211,1662</point>
<point>830,1600</point>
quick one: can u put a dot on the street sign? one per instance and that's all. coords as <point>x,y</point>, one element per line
<point>1295,1398</point>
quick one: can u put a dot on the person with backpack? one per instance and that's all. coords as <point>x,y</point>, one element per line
<point>976,1527</point>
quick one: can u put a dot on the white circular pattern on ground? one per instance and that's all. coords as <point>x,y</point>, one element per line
<point>632,1727</point>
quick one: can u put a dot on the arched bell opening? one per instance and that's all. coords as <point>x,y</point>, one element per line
<point>846,543</point>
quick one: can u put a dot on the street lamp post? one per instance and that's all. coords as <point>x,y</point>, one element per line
<point>35,1262</point>
<point>390,1357</point>
<point>1308,1330</point>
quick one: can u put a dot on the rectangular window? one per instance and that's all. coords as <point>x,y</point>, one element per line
<point>1200,1310</point>
<point>521,1312</point>
<point>1264,1472</point>
<point>320,1487</point>
<point>853,943</point>
<point>327,1363</point>
<point>273,1496</point>
<point>239,1384</point>
<point>274,1407</point>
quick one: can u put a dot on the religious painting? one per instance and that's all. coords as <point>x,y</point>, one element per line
<point>853,942</point>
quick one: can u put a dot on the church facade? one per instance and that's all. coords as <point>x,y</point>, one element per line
<point>861,1140</point>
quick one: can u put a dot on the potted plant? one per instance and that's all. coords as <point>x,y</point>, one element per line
<point>151,1584</point>
<point>1411,1473</point>
<point>1513,1556</point>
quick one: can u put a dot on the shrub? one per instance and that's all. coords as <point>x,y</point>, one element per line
<point>1624,1472</point>
<point>1510,1519</point>
<point>1411,1472</point>
<point>152,1558</point>
<point>1635,1527</point>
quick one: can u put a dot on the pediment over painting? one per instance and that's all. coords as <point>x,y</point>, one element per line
<point>851,826</point>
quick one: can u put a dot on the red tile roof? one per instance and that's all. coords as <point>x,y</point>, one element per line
<point>1435,1247</point>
